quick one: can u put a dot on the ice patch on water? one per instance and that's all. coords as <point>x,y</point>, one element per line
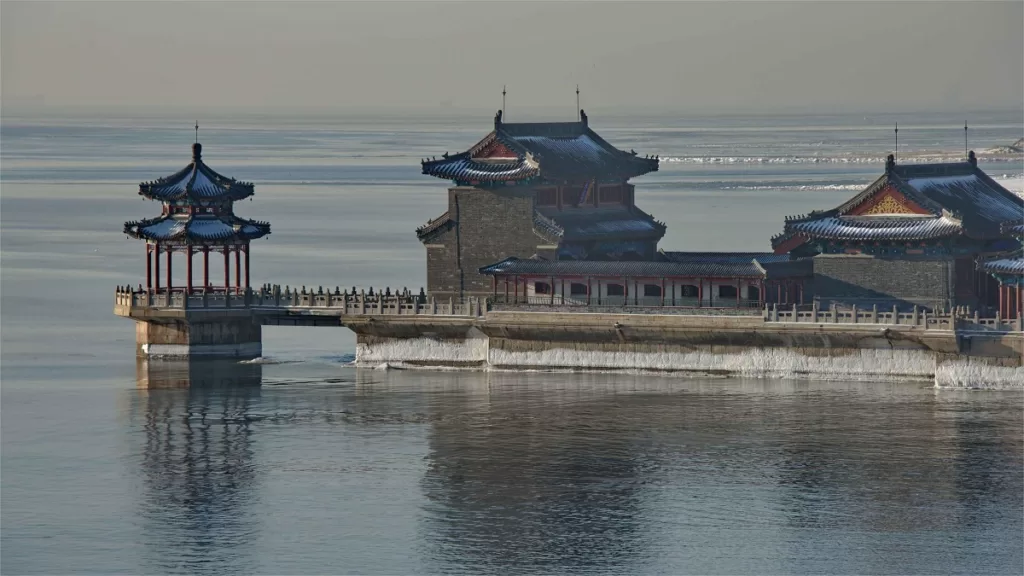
<point>919,159</point>
<point>754,363</point>
<point>960,375</point>
<point>266,360</point>
<point>421,350</point>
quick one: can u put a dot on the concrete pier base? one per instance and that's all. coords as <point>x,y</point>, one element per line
<point>199,337</point>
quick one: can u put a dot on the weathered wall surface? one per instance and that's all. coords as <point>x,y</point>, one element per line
<point>868,280</point>
<point>493,224</point>
<point>223,337</point>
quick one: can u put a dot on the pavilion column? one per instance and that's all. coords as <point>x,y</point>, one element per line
<point>663,292</point>
<point>247,266</point>
<point>169,284</point>
<point>737,293</point>
<point>515,280</point>
<point>552,288</point>
<point>700,292</point>
<point>156,267</point>
<point>188,270</point>
<point>227,269</point>
<point>238,268</point>
<point>149,267</point>
<point>588,291</point>
<point>673,291</point>
<point>494,286</point>
<point>506,289</point>
<point>206,267</point>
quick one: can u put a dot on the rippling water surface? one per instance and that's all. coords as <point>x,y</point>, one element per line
<point>311,466</point>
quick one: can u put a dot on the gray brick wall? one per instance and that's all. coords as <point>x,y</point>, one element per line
<point>866,280</point>
<point>492,224</point>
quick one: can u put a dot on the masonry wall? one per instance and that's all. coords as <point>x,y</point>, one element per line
<point>867,280</point>
<point>490,225</point>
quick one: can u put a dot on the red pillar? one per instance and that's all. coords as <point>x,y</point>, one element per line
<point>169,284</point>
<point>238,268</point>
<point>1002,301</point>
<point>227,269</point>
<point>700,292</point>
<point>506,289</point>
<point>149,267</point>
<point>516,281</point>
<point>625,291</point>
<point>247,266</point>
<point>156,268</point>
<point>663,291</point>
<point>552,288</point>
<point>188,270</point>
<point>206,267</point>
<point>737,293</point>
<point>588,291</point>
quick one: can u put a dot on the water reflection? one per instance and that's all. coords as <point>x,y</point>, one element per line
<point>196,461</point>
<point>546,483</point>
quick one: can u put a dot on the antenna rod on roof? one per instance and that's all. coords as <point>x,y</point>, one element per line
<point>503,112</point>
<point>197,131</point>
<point>896,155</point>
<point>577,102</point>
<point>965,138</point>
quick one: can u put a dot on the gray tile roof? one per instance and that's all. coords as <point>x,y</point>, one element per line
<point>1009,266</point>
<point>593,223</point>
<point>197,181</point>
<point>879,227</point>
<point>647,269</point>
<point>553,150</point>
<point>201,229</point>
<point>957,191</point>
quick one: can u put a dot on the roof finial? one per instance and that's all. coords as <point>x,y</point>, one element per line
<point>503,97</point>
<point>896,156</point>
<point>578,117</point>
<point>965,137</point>
<point>197,131</point>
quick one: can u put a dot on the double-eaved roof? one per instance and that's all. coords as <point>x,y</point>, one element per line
<point>914,203</point>
<point>196,182</point>
<point>555,151</point>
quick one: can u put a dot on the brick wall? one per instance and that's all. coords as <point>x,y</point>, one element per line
<point>491,225</point>
<point>867,280</point>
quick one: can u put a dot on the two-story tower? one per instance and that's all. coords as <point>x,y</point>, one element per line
<point>552,190</point>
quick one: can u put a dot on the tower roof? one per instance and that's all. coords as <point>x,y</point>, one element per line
<point>515,152</point>
<point>196,182</point>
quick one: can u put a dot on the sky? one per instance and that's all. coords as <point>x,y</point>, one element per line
<point>687,56</point>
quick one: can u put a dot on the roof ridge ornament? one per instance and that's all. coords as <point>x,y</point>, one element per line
<point>497,120</point>
<point>890,163</point>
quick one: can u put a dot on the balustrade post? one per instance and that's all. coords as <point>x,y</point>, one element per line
<point>895,314</point>
<point>362,301</point>
<point>814,312</point>
<point>874,313</point>
<point>433,306</point>
<point>854,314</point>
<point>796,314</point>
<point>924,318</point>
<point>835,313</point>
<point>451,305</point>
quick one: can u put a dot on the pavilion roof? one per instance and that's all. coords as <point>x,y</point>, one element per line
<point>935,201</point>
<point>196,182</point>
<point>203,229</point>
<point>514,152</point>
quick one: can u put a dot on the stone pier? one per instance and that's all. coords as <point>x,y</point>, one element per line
<point>225,335</point>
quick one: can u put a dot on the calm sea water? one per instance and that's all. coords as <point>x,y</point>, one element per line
<point>329,469</point>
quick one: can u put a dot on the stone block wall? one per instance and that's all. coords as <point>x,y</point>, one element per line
<point>867,280</point>
<point>490,225</point>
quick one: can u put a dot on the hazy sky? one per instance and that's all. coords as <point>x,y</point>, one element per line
<point>739,56</point>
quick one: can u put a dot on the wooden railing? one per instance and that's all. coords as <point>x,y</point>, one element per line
<point>301,301</point>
